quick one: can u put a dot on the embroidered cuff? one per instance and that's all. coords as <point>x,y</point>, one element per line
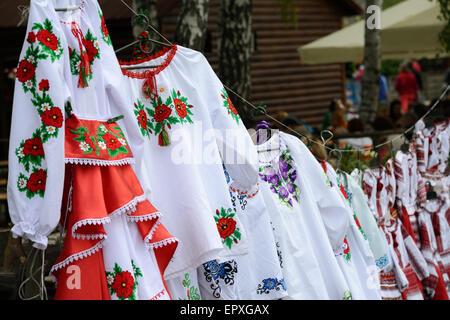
<point>27,230</point>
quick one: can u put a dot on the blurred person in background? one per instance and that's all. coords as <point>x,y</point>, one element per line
<point>406,86</point>
<point>383,121</point>
<point>395,110</point>
<point>298,125</point>
<point>419,109</point>
<point>407,120</point>
<point>360,143</point>
<point>415,68</point>
<point>383,93</point>
<point>336,116</point>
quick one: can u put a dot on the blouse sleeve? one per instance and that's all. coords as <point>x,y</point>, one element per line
<point>235,144</point>
<point>36,152</point>
<point>332,209</point>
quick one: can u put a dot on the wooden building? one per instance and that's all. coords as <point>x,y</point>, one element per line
<point>278,78</point>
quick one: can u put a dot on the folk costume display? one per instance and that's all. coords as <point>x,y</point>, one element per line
<point>75,169</point>
<point>160,192</point>
<point>301,211</point>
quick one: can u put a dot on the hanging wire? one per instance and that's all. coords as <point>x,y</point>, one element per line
<point>149,24</point>
<point>31,277</point>
<point>347,150</point>
<point>301,134</point>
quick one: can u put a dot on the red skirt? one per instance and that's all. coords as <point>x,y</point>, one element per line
<point>92,194</point>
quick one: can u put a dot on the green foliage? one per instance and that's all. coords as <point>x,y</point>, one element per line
<point>390,3</point>
<point>390,67</point>
<point>444,35</point>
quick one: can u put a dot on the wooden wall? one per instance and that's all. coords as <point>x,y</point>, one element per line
<point>278,78</point>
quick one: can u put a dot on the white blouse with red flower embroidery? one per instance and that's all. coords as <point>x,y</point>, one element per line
<point>68,65</point>
<point>59,64</point>
<point>187,127</point>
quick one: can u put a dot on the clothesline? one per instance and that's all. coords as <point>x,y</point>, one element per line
<point>301,134</point>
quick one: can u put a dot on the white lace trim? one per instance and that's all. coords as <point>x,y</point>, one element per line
<point>152,231</point>
<point>99,162</point>
<point>162,243</point>
<point>77,256</point>
<point>129,207</point>
<point>249,193</point>
<point>146,217</point>
<point>89,221</point>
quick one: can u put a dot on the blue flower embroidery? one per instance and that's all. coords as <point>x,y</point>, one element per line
<point>270,284</point>
<point>214,272</point>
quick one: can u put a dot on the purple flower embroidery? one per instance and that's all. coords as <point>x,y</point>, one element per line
<point>273,189</point>
<point>274,179</point>
<point>282,181</point>
<point>290,188</point>
<point>293,175</point>
<point>284,167</point>
<point>283,192</point>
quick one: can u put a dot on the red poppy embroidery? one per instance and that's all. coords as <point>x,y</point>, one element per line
<point>226,227</point>
<point>111,141</point>
<point>33,147</point>
<point>37,181</point>
<point>346,248</point>
<point>25,71</point>
<point>231,106</point>
<point>44,85</point>
<point>52,117</point>
<point>180,107</point>
<point>162,112</point>
<point>48,39</point>
<point>92,51</point>
<point>142,118</point>
<point>123,284</point>
<point>31,37</point>
<point>104,28</point>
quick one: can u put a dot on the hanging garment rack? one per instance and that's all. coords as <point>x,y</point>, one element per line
<point>147,26</point>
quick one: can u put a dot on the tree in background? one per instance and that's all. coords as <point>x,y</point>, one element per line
<point>149,9</point>
<point>372,65</point>
<point>444,35</point>
<point>192,24</point>
<point>235,50</point>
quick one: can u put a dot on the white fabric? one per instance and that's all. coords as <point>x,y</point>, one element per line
<point>102,99</point>
<point>259,274</point>
<point>309,264</point>
<point>128,251</point>
<point>366,219</point>
<point>185,179</point>
<point>364,278</point>
<point>35,218</point>
<point>184,287</point>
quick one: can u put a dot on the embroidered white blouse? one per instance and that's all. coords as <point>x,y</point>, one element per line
<point>302,213</point>
<point>66,57</point>
<point>187,127</point>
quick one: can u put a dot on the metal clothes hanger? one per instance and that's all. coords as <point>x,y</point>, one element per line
<point>140,41</point>
<point>338,152</point>
<point>405,146</point>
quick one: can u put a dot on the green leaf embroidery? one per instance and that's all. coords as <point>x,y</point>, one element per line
<point>48,25</point>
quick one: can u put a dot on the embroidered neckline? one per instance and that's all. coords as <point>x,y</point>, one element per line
<point>270,143</point>
<point>149,73</point>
